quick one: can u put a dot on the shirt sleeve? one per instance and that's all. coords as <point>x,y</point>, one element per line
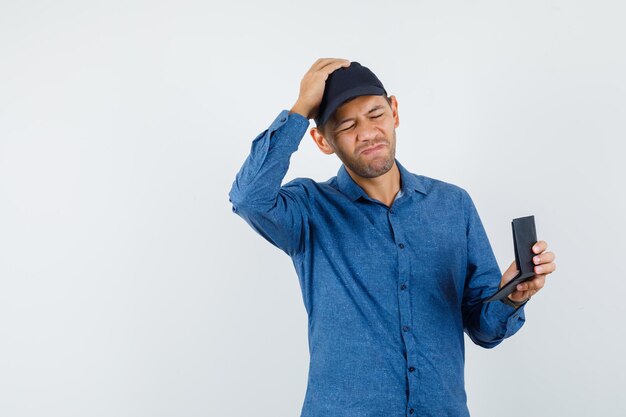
<point>278,213</point>
<point>487,324</point>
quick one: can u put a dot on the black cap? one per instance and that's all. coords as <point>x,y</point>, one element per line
<point>346,83</point>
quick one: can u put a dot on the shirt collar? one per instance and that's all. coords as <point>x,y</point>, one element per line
<point>409,183</point>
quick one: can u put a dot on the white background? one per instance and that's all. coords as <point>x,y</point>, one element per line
<point>129,288</point>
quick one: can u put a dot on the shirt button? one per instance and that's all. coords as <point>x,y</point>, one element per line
<point>411,369</point>
<point>390,211</point>
<point>401,245</point>
<point>403,287</point>
<point>405,328</point>
<point>411,411</point>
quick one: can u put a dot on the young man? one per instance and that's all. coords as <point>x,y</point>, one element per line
<point>393,266</point>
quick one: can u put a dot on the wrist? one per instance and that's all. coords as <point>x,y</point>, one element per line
<point>515,304</point>
<point>301,110</point>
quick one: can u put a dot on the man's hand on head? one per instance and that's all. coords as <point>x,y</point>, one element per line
<point>544,265</point>
<point>313,84</point>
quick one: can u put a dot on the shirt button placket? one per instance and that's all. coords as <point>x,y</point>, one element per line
<point>404,272</point>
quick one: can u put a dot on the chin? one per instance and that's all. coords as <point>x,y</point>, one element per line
<point>375,168</point>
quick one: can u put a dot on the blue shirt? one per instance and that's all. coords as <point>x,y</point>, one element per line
<point>388,291</point>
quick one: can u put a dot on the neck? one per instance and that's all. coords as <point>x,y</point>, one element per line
<point>382,188</point>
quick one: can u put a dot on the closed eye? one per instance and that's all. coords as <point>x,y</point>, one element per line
<point>347,128</point>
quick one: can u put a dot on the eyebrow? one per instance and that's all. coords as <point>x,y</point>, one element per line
<point>347,119</point>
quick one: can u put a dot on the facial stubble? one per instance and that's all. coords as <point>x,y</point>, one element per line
<point>377,166</point>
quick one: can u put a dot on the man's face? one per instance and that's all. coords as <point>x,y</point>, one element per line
<point>362,134</point>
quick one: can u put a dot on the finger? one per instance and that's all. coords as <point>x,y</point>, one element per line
<point>530,286</point>
<point>540,246</point>
<point>519,296</point>
<point>320,62</point>
<point>547,268</point>
<point>534,284</point>
<point>320,76</point>
<point>323,62</point>
<point>544,258</point>
<point>333,66</point>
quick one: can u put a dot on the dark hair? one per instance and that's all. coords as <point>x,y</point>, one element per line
<point>322,127</point>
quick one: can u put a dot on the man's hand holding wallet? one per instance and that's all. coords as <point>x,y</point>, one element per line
<point>527,274</point>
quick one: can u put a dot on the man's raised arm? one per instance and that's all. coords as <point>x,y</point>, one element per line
<point>279,213</point>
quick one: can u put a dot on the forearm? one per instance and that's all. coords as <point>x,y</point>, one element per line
<point>280,212</point>
<point>259,180</point>
<point>487,324</point>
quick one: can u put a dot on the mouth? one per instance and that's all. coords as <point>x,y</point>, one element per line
<point>373,149</point>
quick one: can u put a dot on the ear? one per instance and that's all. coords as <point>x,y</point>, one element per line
<point>394,110</point>
<point>321,141</point>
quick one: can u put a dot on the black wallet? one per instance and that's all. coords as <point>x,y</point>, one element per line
<point>524,237</point>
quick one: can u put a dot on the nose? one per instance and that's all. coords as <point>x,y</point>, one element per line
<point>366,131</point>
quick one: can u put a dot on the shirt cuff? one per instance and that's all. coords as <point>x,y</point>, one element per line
<point>292,127</point>
<point>514,304</point>
<point>506,313</point>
